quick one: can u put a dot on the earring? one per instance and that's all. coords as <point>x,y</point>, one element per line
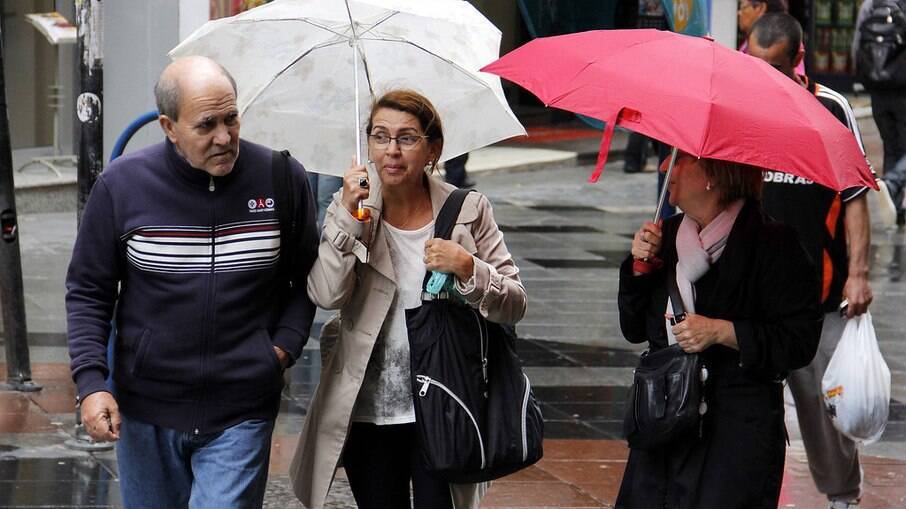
<point>708,187</point>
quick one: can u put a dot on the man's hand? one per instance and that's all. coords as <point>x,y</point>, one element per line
<point>858,293</point>
<point>101,417</point>
<point>282,356</point>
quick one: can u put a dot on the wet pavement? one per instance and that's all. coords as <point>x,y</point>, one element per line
<point>568,238</point>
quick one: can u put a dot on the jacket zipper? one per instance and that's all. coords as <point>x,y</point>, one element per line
<point>428,381</point>
<point>525,398</point>
<point>483,349</point>
<point>208,311</point>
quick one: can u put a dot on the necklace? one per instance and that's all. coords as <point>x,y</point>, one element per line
<point>414,219</point>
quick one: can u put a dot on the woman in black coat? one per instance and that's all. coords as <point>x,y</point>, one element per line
<point>751,299</point>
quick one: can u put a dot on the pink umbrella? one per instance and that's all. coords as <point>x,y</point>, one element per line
<point>691,93</point>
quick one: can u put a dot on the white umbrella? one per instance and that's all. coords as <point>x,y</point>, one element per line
<point>305,68</point>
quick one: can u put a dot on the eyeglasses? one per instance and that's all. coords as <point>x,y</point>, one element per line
<point>404,141</point>
<point>747,4</point>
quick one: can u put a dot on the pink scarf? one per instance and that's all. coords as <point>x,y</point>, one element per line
<point>697,249</point>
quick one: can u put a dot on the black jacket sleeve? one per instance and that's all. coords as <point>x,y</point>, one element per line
<point>634,300</point>
<point>786,336</point>
<point>91,291</point>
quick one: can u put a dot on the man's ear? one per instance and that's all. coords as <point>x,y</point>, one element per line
<point>166,123</point>
<point>800,54</point>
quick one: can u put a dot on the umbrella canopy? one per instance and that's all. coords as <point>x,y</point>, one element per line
<point>691,93</point>
<point>303,68</point>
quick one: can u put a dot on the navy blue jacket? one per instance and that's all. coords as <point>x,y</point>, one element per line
<point>191,265</point>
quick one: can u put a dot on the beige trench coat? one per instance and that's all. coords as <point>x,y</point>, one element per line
<point>354,273</point>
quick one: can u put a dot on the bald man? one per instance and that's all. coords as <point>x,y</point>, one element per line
<point>193,245</point>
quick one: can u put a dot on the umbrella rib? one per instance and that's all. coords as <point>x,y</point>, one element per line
<point>470,74</point>
<point>285,68</point>
<point>380,21</point>
<point>708,117</point>
<point>301,20</point>
<point>367,70</point>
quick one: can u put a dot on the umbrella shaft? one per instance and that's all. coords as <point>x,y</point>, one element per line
<point>663,195</point>
<point>358,117</point>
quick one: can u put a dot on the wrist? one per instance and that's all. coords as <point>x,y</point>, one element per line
<point>857,272</point>
<point>466,267</point>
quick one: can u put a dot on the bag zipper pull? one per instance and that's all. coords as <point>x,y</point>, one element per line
<point>425,383</point>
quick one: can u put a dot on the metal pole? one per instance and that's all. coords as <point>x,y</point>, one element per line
<point>12,293</point>
<point>90,20</point>
<point>89,15</point>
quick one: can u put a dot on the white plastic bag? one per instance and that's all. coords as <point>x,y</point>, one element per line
<point>856,385</point>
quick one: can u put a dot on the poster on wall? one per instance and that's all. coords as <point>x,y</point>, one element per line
<point>690,17</point>
<point>56,28</point>
<point>226,8</point>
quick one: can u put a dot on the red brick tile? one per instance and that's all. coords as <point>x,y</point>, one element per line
<point>537,494</point>
<point>585,450</point>
<point>606,493</point>
<point>884,498</point>
<point>530,474</point>
<point>885,475</point>
<point>282,449</point>
<point>47,371</point>
<point>29,421</point>
<point>55,400</point>
<point>585,472</point>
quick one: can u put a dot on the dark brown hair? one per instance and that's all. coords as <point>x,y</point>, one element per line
<point>415,104</point>
<point>773,5</point>
<point>734,181</point>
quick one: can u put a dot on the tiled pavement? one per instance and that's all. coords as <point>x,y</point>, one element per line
<point>568,238</point>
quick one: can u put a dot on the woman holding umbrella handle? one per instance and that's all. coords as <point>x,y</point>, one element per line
<point>751,302</point>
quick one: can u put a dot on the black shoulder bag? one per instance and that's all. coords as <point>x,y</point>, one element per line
<point>475,413</point>
<point>667,399</point>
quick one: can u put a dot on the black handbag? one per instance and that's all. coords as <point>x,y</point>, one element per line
<point>667,398</point>
<point>475,414</point>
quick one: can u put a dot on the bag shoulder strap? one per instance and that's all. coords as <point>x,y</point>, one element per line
<point>676,301</point>
<point>284,191</point>
<point>446,218</point>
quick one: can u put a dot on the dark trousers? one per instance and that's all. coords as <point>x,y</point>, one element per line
<point>456,170</point>
<point>636,152</point>
<point>889,110</point>
<point>380,462</point>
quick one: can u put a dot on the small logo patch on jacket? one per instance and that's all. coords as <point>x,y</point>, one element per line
<point>261,205</point>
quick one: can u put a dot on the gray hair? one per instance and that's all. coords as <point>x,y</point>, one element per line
<point>167,92</point>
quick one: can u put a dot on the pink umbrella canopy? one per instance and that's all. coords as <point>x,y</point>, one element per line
<point>694,94</point>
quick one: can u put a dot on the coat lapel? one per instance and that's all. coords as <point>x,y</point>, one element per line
<point>738,257</point>
<point>378,251</point>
